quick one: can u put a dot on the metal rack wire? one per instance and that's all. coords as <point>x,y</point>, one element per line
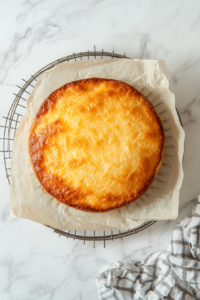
<point>16,112</point>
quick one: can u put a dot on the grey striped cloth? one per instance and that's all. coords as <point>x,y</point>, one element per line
<point>174,274</point>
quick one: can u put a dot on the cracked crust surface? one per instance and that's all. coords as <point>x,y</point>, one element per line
<point>96,144</point>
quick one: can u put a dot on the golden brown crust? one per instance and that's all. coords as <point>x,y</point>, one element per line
<point>77,137</point>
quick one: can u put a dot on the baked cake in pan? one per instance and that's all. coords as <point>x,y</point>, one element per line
<point>96,144</point>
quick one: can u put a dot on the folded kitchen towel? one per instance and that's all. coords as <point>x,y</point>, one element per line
<point>174,274</point>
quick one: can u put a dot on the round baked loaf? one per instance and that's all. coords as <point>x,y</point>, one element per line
<point>96,144</point>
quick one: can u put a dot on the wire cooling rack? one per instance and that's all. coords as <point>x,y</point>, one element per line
<point>16,112</point>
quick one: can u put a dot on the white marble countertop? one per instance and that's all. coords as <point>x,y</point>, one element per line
<point>34,262</point>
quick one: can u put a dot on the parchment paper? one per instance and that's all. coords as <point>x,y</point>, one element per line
<point>28,200</point>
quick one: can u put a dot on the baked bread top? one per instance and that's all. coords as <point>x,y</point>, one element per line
<point>96,144</point>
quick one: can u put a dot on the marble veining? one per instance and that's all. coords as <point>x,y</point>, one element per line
<point>34,262</point>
